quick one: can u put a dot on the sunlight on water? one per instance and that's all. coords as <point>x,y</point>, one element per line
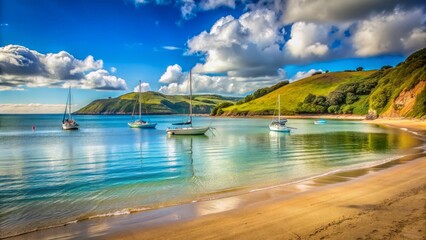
<point>50,176</point>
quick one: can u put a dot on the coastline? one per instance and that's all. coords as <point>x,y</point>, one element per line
<point>358,203</point>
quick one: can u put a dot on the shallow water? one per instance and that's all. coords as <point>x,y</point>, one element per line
<point>50,176</point>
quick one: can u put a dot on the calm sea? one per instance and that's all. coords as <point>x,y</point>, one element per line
<point>50,177</point>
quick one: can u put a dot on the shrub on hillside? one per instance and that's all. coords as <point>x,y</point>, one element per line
<point>334,109</point>
<point>217,110</point>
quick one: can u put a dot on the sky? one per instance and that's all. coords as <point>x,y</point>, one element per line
<point>103,48</point>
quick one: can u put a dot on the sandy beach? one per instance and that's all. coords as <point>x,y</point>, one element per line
<point>381,202</point>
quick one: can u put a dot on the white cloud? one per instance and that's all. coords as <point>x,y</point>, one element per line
<point>188,8</point>
<point>219,84</point>
<point>214,84</point>
<point>173,74</point>
<point>248,46</point>
<point>308,40</point>
<point>390,33</point>
<point>213,4</point>
<point>143,87</point>
<point>334,11</point>
<point>21,67</point>
<point>301,74</point>
<point>415,40</point>
<point>32,108</point>
<point>102,80</point>
<point>113,69</point>
<point>171,48</point>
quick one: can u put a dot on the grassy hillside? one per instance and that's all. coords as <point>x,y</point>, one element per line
<point>395,92</point>
<point>296,92</point>
<point>155,103</point>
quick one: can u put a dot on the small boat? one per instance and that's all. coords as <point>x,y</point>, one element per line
<point>188,130</point>
<point>139,123</point>
<point>320,121</point>
<point>68,123</point>
<point>277,124</point>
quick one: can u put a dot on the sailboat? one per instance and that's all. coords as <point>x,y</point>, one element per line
<point>139,123</point>
<point>68,123</point>
<point>278,124</point>
<point>188,130</point>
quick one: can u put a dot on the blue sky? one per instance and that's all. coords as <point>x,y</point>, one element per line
<point>103,48</point>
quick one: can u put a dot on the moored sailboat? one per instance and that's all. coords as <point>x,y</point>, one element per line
<point>139,123</point>
<point>69,123</point>
<point>278,124</point>
<point>188,130</point>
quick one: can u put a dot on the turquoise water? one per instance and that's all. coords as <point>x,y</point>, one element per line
<point>50,177</point>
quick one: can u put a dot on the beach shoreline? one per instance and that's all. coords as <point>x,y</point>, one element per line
<point>257,214</point>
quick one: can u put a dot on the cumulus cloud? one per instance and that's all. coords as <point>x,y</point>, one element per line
<point>202,83</point>
<point>302,74</point>
<point>21,66</point>
<point>173,74</point>
<point>248,46</point>
<point>143,87</point>
<point>308,40</point>
<point>326,11</point>
<point>219,84</point>
<point>397,32</point>
<point>213,4</point>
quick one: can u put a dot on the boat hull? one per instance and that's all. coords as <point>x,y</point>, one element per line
<point>187,131</point>
<point>142,125</point>
<point>278,128</point>
<point>69,127</point>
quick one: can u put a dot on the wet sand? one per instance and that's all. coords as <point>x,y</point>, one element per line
<point>383,202</point>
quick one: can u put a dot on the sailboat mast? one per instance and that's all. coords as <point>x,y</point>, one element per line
<point>69,106</point>
<point>190,96</point>
<point>279,108</point>
<point>140,92</point>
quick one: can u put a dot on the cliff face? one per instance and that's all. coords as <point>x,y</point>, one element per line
<point>405,102</point>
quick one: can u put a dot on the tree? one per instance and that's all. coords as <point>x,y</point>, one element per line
<point>351,98</point>
<point>336,98</point>
<point>333,109</point>
<point>321,101</point>
<point>310,98</point>
<point>386,67</point>
<point>359,69</point>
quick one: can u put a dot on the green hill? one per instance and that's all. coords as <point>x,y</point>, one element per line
<point>155,103</point>
<point>395,92</point>
<point>293,93</point>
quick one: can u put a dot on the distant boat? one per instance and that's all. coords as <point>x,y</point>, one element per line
<point>320,121</point>
<point>69,123</point>
<point>139,123</point>
<point>190,130</point>
<point>277,124</point>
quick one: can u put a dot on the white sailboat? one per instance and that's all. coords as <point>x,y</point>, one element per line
<point>278,124</point>
<point>69,123</point>
<point>190,130</point>
<point>139,123</point>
